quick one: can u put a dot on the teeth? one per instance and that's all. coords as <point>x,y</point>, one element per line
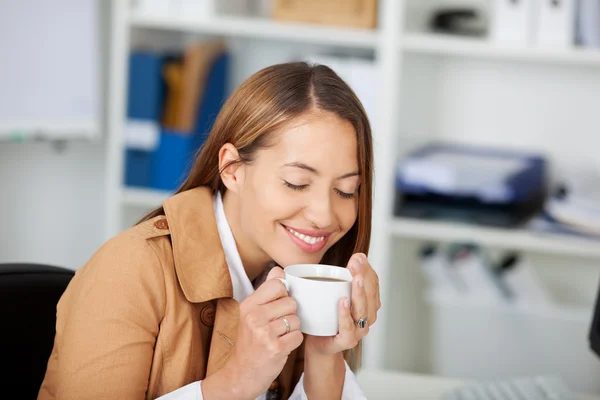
<point>306,238</point>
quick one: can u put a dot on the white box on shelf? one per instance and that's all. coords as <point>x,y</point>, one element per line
<point>556,23</point>
<point>202,9</point>
<point>513,22</point>
<point>153,7</point>
<point>195,9</point>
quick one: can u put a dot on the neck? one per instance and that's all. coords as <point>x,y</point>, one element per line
<point>254,259</point>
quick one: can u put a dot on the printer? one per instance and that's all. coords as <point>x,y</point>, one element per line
<point>478,185</point>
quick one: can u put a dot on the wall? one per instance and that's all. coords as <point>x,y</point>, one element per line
<point>51,198</point>
<point>51,201</point>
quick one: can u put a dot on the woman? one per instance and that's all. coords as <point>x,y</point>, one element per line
<point>185,305</point>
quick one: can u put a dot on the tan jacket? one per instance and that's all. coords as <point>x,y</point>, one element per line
<point>151,311</point>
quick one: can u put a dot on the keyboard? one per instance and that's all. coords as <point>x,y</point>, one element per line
<point>530,388</point>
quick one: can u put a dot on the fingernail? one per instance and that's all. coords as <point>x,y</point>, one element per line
<point>361,258</point>
<point>347,303</point>
<point>354,265</point>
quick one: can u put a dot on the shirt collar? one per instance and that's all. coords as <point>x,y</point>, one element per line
<point>242,287</point>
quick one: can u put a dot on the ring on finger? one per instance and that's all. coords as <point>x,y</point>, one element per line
<point>287,325</point>
<point>362,322</point>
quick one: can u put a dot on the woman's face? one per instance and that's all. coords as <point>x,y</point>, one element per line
<point>300,196</point>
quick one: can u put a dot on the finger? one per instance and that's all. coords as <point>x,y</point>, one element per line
<point>291,341</point>
<point>355,263</point>
<point>372,311</point>
<point>275,272</point>
<point>346,338</point>
<point>371,288</point>
<point>269,291</point>
<point>359,307</point>
<point>360,265</point>
<point>279,328</point>
<point>345,320</point>
<point>280,307</point>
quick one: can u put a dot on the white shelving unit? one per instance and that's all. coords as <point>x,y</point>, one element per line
<point>515,239</point>
<point>425,43</point>
<point>259,28</point>
<point>416,103</point>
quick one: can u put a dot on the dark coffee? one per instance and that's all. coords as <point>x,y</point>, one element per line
<point>324,279</point>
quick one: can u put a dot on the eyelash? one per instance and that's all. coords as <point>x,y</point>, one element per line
<point>299,188</point>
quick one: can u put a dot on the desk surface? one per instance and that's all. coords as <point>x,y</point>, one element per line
<point>389,385</point>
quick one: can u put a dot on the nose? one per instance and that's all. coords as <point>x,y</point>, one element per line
<point>320,211</point>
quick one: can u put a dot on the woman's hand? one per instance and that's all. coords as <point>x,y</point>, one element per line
<point>263,343</point>
<point>365,304</point>
<point>324,369</point>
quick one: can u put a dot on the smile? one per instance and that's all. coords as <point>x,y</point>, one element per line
<point>308,241</point>
<point>306,238</point>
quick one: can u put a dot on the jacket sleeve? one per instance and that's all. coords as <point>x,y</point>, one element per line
<point>108,321</point>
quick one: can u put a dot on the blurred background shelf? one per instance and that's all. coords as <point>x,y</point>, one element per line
<point>146,198</point>
<point>260,28</point>
<point>437,44</point>
<point>560,312</point>
<point>48,130</point>
<point>517,239</point>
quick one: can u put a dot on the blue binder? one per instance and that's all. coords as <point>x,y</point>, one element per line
<point>146,89</point>
<point>145,98</point>
<point>177,150</point>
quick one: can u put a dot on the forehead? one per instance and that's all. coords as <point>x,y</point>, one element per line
<point>317,140</point>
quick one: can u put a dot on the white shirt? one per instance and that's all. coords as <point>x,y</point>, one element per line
<point>242,288</point>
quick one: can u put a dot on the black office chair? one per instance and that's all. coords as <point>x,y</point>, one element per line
<point>28,297</point>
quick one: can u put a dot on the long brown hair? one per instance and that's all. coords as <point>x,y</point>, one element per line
<point>265,102</point>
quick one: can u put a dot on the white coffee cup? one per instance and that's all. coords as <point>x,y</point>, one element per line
<point>318,300</point>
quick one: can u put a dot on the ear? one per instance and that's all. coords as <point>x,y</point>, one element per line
<point>233,174</point>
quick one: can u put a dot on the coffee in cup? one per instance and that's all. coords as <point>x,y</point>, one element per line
<point>318,289</point>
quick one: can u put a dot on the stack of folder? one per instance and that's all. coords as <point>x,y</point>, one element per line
<point>173,100</point>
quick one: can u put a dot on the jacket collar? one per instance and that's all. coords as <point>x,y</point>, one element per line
<point>197,251</point>
<point>203,275</point>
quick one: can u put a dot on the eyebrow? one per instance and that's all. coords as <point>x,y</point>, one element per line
<point>314,171</point>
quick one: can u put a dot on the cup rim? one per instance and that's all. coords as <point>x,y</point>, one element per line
<point>340,272</point>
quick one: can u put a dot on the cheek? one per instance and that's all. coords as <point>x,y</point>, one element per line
<point>347,214</point>
<point>263,205</point>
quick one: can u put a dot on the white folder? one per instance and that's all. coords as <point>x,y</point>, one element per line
<point>556,23</point>
<point>512,22</point>
<point>153,7</point>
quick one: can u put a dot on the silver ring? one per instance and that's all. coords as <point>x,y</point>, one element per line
<point>362,323</point>
<point>287,325</point>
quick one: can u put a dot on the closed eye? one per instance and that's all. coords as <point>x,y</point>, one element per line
<point>345,195</point>
<point>295,187</point>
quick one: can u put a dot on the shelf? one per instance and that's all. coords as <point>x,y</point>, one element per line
<point>557,312</point>
<point>517,239</point>
<point>261,28</point>
<point>22,131</point>
<point>146,198</point>
<point>427,43</point>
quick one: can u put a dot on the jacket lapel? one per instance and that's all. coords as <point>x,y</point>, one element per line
<point>204,276</point>
<point>224,334</point>
<point>197,251</point>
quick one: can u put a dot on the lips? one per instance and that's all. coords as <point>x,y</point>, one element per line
<point>308,240</point>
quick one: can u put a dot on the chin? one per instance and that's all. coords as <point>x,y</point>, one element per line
<point>285,260</point>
